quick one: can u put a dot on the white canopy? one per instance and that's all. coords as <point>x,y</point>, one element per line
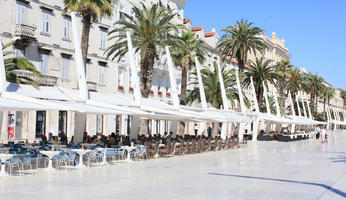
<point>15,105</point>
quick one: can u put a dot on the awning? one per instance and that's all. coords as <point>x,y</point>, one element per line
<point>89,109</point>
<point>15,105</point>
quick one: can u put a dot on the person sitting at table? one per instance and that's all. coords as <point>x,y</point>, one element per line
<point>44,139</point>
<point>117,138</point>
<point>111,140</point>
<point>86,137</point>
<point>63,138</point>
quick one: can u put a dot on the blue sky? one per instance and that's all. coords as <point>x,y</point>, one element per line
<point>314,30</point>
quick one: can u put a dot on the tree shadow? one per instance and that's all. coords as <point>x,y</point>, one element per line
<point>339,159</point>
<point>330,188</point>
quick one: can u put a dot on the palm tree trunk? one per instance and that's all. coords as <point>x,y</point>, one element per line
<point>324,106</point>
<point>282,93</point>
<point>146,77</point>
<point>85,38</point>
<point>183,85</point>
<point>241,65</point>
<point>259,92</point>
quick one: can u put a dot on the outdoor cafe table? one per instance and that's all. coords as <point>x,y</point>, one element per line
<point>81,152</point>
<point>3,158</point>
<point>50,155</point>
<point>128,149</point>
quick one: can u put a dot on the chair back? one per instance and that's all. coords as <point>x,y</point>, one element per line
<point>26,158</point>
<point>15,159</point>
<point>172,149</point>
<point>156,147</point>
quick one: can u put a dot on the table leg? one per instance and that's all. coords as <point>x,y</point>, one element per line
<point>2,171</point>
<point>128,156</point>
<point>80,164</point>
<point>104,160</point>
<point>50,165</point>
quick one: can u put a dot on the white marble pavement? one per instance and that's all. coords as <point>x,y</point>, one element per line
<point>300,170</point>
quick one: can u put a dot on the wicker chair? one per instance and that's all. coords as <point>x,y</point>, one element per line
<point>214,145</point>
<point>193,146</point>
<point>208,146</point>
<point>166,150</point>
<point>147,150</point>
<point>155,151</point>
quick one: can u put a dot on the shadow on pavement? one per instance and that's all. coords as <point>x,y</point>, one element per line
<point>330,188</point>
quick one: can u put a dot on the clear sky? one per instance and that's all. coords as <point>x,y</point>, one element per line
<point>314,30</point>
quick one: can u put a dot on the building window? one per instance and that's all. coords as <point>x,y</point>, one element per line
<point>103,39</point>
<point>19,52</point>
<point>67,29</point>
<point>166,126</point>
<point>120,77</point>
<point>21,12</point>
<point>62,122</point>
<point>158,126</point>
<point>65,70</point>
<point>45,21</point>
<point>40,123</point>
<point>128,122</point>
<point>102,73</point>
<point>99,124</point>
<point>44,63</point>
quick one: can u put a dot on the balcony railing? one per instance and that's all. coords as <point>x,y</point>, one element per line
<point>24,30</point>
<point>44,81</point>
<point>160,66</point>
<point>92,86</point>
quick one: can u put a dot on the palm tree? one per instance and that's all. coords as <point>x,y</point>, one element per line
<point>240,40</point>
<point>282,68</point>
<point>90,11</point>
<point>150,28</point>
<point>295,82</point>
<point>13,64</point>
<point>314,85</point>
<point>343,96</point>
<point>183,51</point>
<point>260,70</point>
<point>212,88</point>
<point>327,94</point>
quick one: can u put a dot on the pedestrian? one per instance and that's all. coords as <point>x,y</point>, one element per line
<point>196,129</point>
<point>318,131</point>
<point>323,134</point>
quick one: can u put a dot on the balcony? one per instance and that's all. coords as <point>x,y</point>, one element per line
<point>22,30</point>
<point>160,66</point>
<point>92,86</point>
<point>44,81</point>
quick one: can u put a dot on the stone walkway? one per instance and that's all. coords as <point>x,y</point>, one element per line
<point>300,170</point>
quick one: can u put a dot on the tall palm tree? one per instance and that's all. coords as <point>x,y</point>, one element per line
<point>260,70</point>
<point>295,82</point>
<point>183,51</point>
<point>240,40</point>
<point>314,85</point>
<point>343,96</point>
<point>282,68</point>
<point>326,94</point>
<point>16,63</point>
<point>150,28</point>
<point>212,89</point>
<point>90,11</point>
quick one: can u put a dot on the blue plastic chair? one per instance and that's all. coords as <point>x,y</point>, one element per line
<point>15,161</point>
